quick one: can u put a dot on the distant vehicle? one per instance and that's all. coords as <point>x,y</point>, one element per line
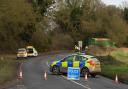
<point>31,51</point>
<point>22,53</point>
<point>88,64</point>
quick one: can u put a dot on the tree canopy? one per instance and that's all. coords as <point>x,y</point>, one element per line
<point>92,18</point>
<point>24,22</point>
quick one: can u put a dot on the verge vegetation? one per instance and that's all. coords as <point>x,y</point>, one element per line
<point>110,67</point>
<point>8,68</point>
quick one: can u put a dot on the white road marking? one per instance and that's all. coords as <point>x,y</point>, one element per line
<point>77,83</point>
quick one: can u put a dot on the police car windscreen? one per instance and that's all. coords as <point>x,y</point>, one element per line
<point>30,50</point>
<point>95,59</point>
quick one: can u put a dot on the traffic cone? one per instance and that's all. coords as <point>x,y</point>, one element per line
<point>20,76</point>
<point>86,77</point>
<point>116,79</point>
<point>45,75</point>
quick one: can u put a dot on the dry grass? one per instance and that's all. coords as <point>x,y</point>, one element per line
<point>7,68</point>
<point>111,67</point>
<point>121,55</point>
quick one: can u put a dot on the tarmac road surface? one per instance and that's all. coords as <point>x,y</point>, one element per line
<point>33,77</point>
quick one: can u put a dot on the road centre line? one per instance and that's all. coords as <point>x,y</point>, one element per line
<point>20,68</point>
<point>86,87</point>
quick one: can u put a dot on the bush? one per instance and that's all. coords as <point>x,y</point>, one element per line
<point>40,40</point>
<point>62,41</point>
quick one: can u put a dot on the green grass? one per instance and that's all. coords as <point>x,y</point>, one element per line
<point>111,70</point>
<point>110,67</point>
<point>120,55</point>
<point>7,68</point>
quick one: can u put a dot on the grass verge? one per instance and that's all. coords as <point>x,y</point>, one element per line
<point>8,69</point>
<point>121,55</point>
<point>110,67</point>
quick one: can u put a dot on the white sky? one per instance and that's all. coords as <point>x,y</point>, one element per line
<point>115,2</point>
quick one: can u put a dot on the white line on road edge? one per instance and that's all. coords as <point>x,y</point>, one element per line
<point>77,83</point>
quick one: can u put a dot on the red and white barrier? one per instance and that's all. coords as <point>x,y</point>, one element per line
<point>86,77</point>
<point>116,79</point>
<point>20,76</point>
<point>20,73</point>
<point>45,75</point>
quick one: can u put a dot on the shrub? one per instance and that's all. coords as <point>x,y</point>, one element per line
<point>62,41</point>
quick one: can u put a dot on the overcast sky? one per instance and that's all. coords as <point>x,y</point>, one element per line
<point>114,2</point>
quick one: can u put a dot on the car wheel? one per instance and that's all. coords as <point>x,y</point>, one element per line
<point>17,58</point>
<point>84,71</point>
<point>35,54</point>
<point>55,70</point>
<point>93,75</point>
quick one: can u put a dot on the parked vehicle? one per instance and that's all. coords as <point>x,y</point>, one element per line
<point>88,64</point>
<point>31,51</point>
<point>21,53</point>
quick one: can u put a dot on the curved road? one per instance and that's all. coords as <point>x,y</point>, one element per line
<point>33,77</point>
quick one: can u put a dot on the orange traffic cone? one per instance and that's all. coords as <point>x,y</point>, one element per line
<point>45,75</point>
<point>86,77</point>
<point>20,76</point>
<point>116,79</point>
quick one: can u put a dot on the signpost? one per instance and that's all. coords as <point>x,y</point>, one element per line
<point>73,73</point>
<point>80,43</point>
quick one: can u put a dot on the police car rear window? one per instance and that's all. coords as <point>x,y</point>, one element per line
<point>94,58</point>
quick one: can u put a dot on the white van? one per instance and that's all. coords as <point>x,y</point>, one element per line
<point>31,51</point>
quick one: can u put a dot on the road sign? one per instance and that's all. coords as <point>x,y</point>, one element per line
<point>77,48</point>
<point>73,73</point>
<point>80,43</point>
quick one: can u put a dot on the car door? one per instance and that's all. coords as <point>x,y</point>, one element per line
<point>79,62</point>
<point>66,62</point>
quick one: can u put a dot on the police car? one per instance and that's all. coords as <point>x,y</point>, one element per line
<point>87,64</point>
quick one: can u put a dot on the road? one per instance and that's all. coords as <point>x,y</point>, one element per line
<point>33,77</point>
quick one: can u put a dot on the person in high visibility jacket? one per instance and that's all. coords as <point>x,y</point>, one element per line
<point>87,64</point>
